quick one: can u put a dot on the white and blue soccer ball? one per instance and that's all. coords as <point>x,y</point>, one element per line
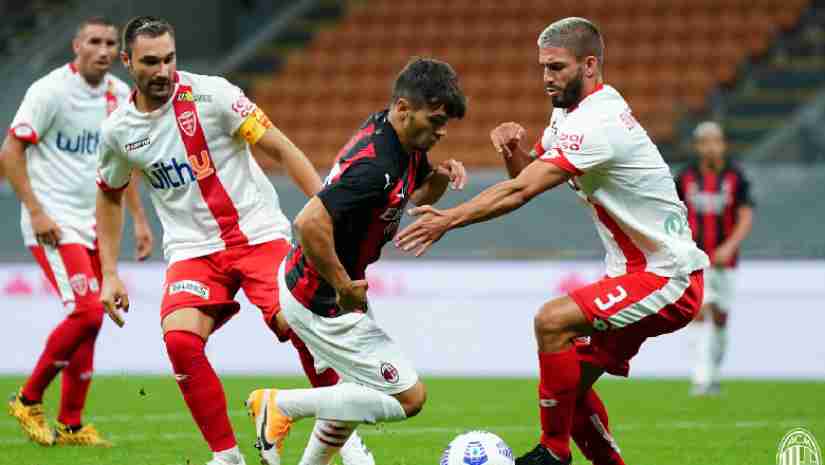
<point>477,448</point>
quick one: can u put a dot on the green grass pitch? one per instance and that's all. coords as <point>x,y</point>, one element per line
<point>654,421</point>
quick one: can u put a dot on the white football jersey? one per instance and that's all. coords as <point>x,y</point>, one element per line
<point>60,116</point>
<point>620,174</point>
<point>208,190</point>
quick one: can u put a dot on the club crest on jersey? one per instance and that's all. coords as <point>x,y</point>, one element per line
<point>389,372</point>
<point>80,284</point>
<point>188,121</point>
<point>191,287</point>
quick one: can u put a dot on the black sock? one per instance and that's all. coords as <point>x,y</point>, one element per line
<point>73,428</point>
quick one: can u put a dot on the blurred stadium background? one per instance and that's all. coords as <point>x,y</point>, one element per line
<point>319,67</point>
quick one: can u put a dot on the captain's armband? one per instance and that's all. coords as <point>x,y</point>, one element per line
<point>254,126</point>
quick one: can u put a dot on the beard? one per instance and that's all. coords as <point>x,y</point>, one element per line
<point>159,93</point>
<point>572,93</point>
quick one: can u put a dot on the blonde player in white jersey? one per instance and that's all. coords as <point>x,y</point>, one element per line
<point>50,160</point>
<point>224,231</point>
<point>653,283</point>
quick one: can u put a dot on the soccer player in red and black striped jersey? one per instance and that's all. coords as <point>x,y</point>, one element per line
<point>720,213</point>
<point>342,230</point>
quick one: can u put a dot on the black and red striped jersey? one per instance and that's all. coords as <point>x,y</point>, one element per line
<point>365,194</point>
<point>713,200</point>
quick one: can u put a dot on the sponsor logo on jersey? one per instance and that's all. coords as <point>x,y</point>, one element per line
<point>711,202</point>
<point>132,146</point>
<point>175,174</point>
<point>189,286</point>
<point>572,142</point>
<point>389,372</point>
<point>80,284</point>
<point>188,122</point>
<point>243,106</point>
<point>799,447</point>
<point>83,143</point>
<point>188,96</point>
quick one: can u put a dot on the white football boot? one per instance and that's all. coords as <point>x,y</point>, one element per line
<point>355,452</point>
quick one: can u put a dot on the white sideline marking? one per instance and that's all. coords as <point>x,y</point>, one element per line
<point>394,430</point>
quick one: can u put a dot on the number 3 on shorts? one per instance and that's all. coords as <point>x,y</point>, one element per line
<point>612,298</point>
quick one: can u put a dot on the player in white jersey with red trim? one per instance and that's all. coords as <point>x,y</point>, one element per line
<point>224,231</point>
<point>653,282</point>
<point>50,160</point>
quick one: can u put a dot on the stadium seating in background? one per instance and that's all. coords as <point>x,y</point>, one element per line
<point>664,56</point>
<point>789,74</point>
<point>22,19</point>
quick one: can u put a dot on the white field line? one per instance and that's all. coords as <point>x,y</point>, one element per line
<point>393,430</point>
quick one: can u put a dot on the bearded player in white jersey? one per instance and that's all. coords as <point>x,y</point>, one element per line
<point>653,283</point>
<point>224,231</point>
<point>50,159</point>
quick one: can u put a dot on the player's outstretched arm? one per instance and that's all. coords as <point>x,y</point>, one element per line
<point>143,232</point>
<point>277,146</point>
<point>314,229</point>
<point>447,173</point>
<point>109,216</point>
<point>13,157</point>
<point>495,201</point>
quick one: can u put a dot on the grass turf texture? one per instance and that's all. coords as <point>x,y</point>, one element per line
<point>654,421</point>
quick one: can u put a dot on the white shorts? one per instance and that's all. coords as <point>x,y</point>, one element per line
<point>352,344</point>
<point>719,284</point>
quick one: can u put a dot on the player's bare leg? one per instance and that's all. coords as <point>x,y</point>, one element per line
<point>557,324</point>
<point>185,332</point>
<point>339,409</point>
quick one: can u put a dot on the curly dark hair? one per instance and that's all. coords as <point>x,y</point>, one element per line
<point>425,81</point>
<point>150,26</point>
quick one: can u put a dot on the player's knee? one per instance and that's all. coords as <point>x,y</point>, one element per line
<point>548,322</point>
<point>412,400</point>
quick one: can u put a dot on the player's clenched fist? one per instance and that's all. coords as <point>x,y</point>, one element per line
<point>506,137</point>
<point>114,297</point>
<point>353,296</point>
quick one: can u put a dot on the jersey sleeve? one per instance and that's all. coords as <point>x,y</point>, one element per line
<point>361,185</point>
<point>578,148</point>
<point>36,114</point>
<point>239,115</point>
<point>743,192</point>
<point>113,168</point>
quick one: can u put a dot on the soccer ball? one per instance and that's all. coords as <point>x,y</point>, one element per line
<point>477,448</point>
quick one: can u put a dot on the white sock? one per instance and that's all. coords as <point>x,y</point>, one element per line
<point>345,402</point>
<point>718,346</point>
<point>232,456</point>
<point>703,358</point>
<point>327,438</point>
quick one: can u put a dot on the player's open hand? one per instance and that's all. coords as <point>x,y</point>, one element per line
<point>454,170</point>
<point>114,297</point>
<point>506,137</point>
<point>46,231</point>
<point>144,240</point>
<point>353,296</point>
<point>431,225</point>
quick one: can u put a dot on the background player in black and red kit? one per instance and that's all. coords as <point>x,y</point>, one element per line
<point>342,231</point>
<point>720,213</point>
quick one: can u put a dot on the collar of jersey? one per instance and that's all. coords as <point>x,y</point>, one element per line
<point>95,91</point>
<point>598,88</point>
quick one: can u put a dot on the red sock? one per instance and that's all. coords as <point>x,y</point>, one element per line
<point>201,388</point>
<point>559,379</point>
<point>591,432</point>
<point>326,378</point>
<point>77,377</point>
<point>61,344</point>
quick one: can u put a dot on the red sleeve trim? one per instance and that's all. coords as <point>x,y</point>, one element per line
<point>539,148</point>
<point>101,184</point>
<point>562,162</point>
<point>24,132</point>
